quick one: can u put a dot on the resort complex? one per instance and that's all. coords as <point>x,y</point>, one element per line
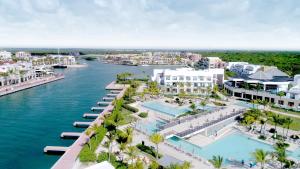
<point>228,115</point>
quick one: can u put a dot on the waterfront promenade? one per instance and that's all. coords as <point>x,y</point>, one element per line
<point>29,84</point>
<point>68,159</point>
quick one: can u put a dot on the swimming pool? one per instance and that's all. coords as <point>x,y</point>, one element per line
<point>235,146</point>
<point>165,108</point>
<point>149,127</point>
<point>247,105</point>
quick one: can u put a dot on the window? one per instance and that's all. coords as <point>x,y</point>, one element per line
<point>194,78</point>
<point>168,77</point>
<point>201,78</point>
<point>195,84</point>
<point>181,78</point>
<point>174,77</point>
<point>208,78</point>
<point>188,78</point>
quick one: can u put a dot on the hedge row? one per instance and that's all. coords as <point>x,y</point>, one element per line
<point>130,108</point>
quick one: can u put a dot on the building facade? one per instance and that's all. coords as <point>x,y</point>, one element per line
<point>187,80</point>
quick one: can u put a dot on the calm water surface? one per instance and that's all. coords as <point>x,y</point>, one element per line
<point>34,118</point>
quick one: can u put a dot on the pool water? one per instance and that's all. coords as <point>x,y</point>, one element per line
<point>236,146</point>
<point>165,108</point>
<point>150,127</point>
<point>247,105</point>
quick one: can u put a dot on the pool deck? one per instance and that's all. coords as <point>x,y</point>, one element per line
<point>68,159</point>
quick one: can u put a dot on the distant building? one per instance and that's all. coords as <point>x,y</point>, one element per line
<point>242,68</point>
<point>187,80</point>
<point>23,55</point>
<point>4,55</point>
<point>210,63</point>
<point>64,59</point>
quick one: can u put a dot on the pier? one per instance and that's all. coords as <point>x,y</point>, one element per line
<point>108,98</point>
<point>29,84</point>
<point>70,134</point>
<point>81,124</point>
<point>103,103</point>
<point>114,91</point>
<point>97,108</point>
<point>68,159</point>
<point>90,115</point>
<point>55,149</point>
<point>111,95</point>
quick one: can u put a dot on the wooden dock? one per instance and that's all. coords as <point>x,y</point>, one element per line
<point>70,134</point>
<point>71,155</point>
<point>111,95</point>
<point>103,103</point>
<point>90,115</point>
<point>98,108</point>
<point>81,124</point>
<point>108,98</point>
<point>55,149</point>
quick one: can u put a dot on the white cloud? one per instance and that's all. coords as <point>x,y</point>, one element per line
<point>150,23</point>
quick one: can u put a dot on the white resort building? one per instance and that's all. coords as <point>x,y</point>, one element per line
<point>5,56</point>
<point>267,83</point>
<point>23,55</point>
<point>187,80</point>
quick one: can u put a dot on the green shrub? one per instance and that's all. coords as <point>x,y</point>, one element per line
<point>262,137</point>
<point>130,108</point>
<point>148,150</point>
<point>87,155</point>
<point>143,115</point>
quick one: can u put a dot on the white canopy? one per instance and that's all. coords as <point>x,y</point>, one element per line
<point>102,165</point>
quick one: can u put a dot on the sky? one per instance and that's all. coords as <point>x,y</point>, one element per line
<point>183,24</point>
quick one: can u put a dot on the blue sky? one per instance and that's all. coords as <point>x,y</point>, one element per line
<point>209,24</point>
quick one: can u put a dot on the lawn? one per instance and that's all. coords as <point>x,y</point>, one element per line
<point>128,118</point>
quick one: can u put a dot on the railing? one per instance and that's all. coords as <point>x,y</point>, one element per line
<point>183,119</point>
<point>197,128</point>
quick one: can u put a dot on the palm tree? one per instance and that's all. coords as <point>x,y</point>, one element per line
<point>203,104</point>
<point>132,153</point>
<point>260,156</point>
<point>122,147</point>
<point>156,138</point>
<point>193,107</point>
<point>216,161</point>
<point>95,129</point>
<point>262,123</point>
<point>288,122</point>
<point>186,165</point>
<point>281,155</point>
<point>208,90</point>
<point>253,103</point>
<point>276,120</point>
<point>111,136</point>
<point>280,94</point>
<point>215,90</point>
<point>129,133</point>
<point>88,134</point>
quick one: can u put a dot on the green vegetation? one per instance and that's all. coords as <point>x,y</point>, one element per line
<point>260,156</point>
<point>148,150</point>
<point>185,165</point>
<point>130,108</point>
<point>143,114</point>
<point>87,154</point>
<point>217,161</point>
<point>288,62</point>
<point>229,74</point>
<point>113,160</point>
<point>156,138</point>
<point>219,104</point>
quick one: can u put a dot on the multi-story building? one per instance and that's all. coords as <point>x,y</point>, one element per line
<point>210,63</point>
<point>23,55</point>
<point>5,56</point>
<point>242,68</point>
<point>187,80</point>
<point>267,83</point>
<point>64,59</point>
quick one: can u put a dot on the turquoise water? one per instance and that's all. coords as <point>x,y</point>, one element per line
<point>235,146</point>
<point>247,105</point>
<point>150,127</point>
<point>34,118</point>
<point>165,109</point>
